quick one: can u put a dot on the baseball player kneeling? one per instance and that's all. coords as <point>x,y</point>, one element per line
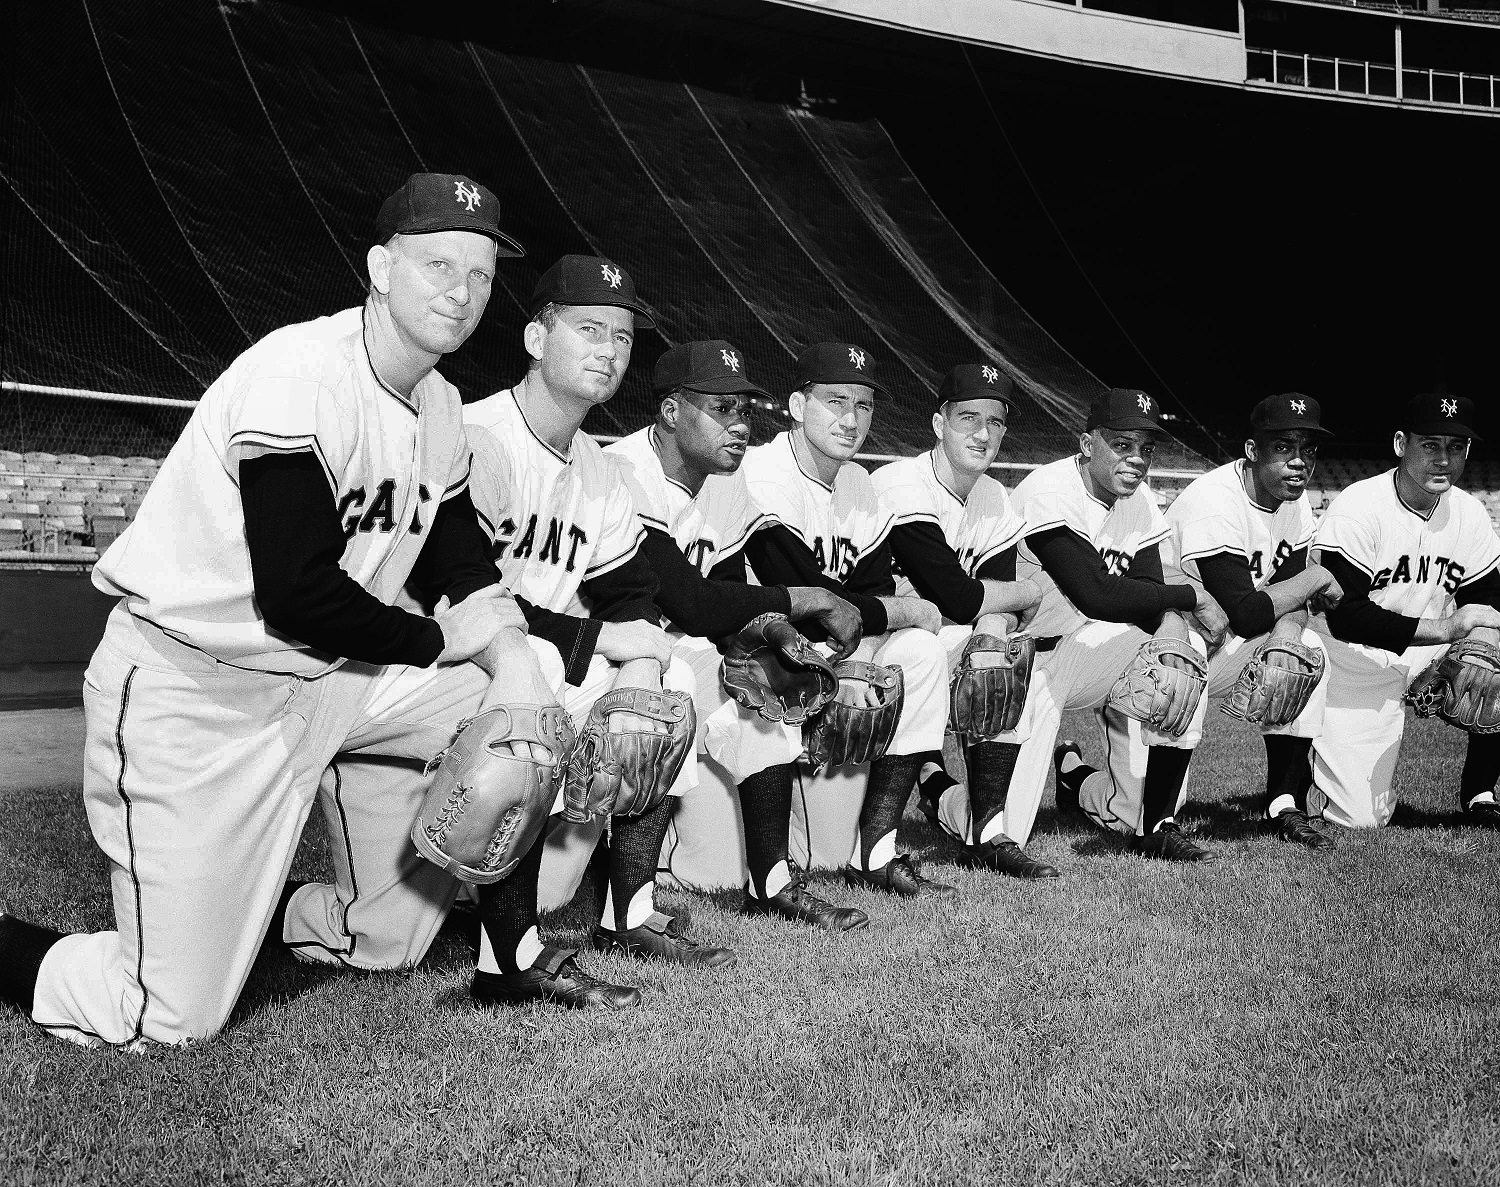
<point>567,540</point>
<point>1417,560</point>
<point>831,531</point>
<point>753,701</point>
<point>954,541</point>
<point>256,661</point>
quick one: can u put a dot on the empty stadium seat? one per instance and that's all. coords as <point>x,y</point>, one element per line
<point>36,457</point>
<point>106,529</point>
<point>12,533</point>
<point>146,463</point>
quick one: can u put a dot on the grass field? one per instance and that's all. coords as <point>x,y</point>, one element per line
<point>1278,1017</point>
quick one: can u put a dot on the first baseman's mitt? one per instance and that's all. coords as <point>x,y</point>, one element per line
<point>1462,684</point>
<point>628,773</point>
<point>988,689</point>
<point>1163,696</point>
<point>1275,685</point>
<point>485,806</point>
<point>845,734</point>
<point>770,669</point>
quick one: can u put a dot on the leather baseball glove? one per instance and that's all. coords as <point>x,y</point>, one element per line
<point>485,806</point>
<point>1164,696</point>
<point>1275,686</point>
<point>1463,685</point>
<point>988,689</point>
<point>629,772</point>
<point>770,669</point>
<point>845,734</point>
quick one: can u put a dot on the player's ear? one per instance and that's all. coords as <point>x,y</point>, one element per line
<point>796,404</point>
<point>534,336</point>
<point>1251,452</point>
<point>1086,444</point>
<point>669,411</point>
<point>1398,443</point>
<point>378,263</point>
<point>937,425</point>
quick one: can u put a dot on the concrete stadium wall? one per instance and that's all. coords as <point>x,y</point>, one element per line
<point>1059,31</point>
<point>50,622</point>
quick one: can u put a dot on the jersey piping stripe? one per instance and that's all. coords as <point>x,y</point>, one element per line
<point>652,521</point>
<point>1482,572</point>
<point>1424,516</point>
<point>564,458</point>
<point>932,461</point>
<point>1166,530</point>
<point>905,517</point>
<point>764,519</point>
<point>135,881</point>
<point>389,390</point>
<point>1355,561</point>
<point>283,443</point>
<point>455,487</point>
<point>606,566</point>
<point>797,461</point>
<point>341,953</point>
<point>996,549</point>
<point>1216,550</point>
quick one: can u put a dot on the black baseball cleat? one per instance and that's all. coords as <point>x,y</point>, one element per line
<point>1168,843</point>
<point>661,938</point>
<point>1004,856</point>
<point>795,902</point>
<point>1067,790</point>
<point>899,876</point>
<point>555,977</point>
<point>1485,814</point>
<point>1294,827</point>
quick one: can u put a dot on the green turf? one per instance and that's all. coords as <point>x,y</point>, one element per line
<point>1278,1017</point>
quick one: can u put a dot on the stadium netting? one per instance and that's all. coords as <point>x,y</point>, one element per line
<point>183,178</point>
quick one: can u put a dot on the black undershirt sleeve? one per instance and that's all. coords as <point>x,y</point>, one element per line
<point>454,561</point>
<point>1359,620</point>
<point>296,541</point>
<point>1228,579</point>
<point>1485,590</point>
<point>625,593</point>
<point>1000,567</point>
<point>1138,596</point>
<point>703,607</point>
<point>732,568</point>
<point>933,568</point>
<point>1291,567</point>
<point>779,558</point>
<point>574,637</point>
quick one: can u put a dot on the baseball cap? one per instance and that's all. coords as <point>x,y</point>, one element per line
<point>590,280</point>
<point>836,362</point>
<point>1437,414</point>
<point>431,202</point>
<point>1289,410</point>
<point>977,381</point>
<point>1125,408</point>
<point>715,367</point>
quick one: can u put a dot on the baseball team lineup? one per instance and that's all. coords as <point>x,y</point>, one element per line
<point>508,662</point>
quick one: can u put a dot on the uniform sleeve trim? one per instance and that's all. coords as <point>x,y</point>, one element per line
<point>1215,550</point>
<point>652,521</point>
<point>1147,541</point>
<point>1358,564</point>
<point>463,483</point>
<point>284,443</point>
<point>762,520</point>
<point>905,517</point>
<point>994,549</point>
<point>1489,568</point>
<point>597,570</point>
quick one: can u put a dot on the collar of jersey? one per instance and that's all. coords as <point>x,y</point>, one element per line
<point>1239,477</point>
<point>792,449</point>
<point>565,458</point>
<point>369,362</point>
<point>651,437</point>
<point>932,461</point>
<point>1088,494</point>
<point>1424,516</point>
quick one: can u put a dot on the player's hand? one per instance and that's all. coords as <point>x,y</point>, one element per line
<point>1002,625</point>
<point>1213,623</point>
<point>469,627</point>
<point>1329,596</point>
<point>857,694</point>
<point>839,620</point>
<point>904,612</point>
<point>638,673</point>
<point>1468,619</point>
<point>621,642</point>
<point>515,679</point>
<point>1173,626</point>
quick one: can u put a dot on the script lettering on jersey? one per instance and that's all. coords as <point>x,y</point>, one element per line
<point>1279,558</point>
<point>552,542</point>
<point>1447,573</point>
<point>838,558</point>
<point>381,513</point>
<point>1115,561</point>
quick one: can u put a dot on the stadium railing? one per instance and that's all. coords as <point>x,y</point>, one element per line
<point>1376,79</point>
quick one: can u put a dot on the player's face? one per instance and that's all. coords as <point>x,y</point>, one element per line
<point>1432,463</point>
<point>712,432</point>
<point>836,417</point>
<point>586,351</point>
<point>971,432</point>
<point>439,285</point>
<point>1119,458</point>
<point>1284,461</point>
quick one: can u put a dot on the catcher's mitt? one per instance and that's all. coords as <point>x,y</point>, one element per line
<point>1160,695</point>
<point>1275,685</point>
<point>1462,684</point>
<point>770,669</point>
<point>988,689</point>
<point>485,806</point>
<point>844,734</point>
<point>628,773</point>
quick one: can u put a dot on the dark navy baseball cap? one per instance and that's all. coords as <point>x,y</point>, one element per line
<point>432,202</point>
<point>977,381</point>
<point>1437,414</point>
<point>836,362</point>
<point>714,367</point>
<point>1289,410</point>
<point>1125,408</point>
<point>590,280</point>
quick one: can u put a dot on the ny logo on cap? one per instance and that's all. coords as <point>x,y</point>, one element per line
<point>857,357</point>
<point>991,375</point>
<point>1145,402</point>
<point>467,194</point>
<point>1299,407</point>
<point>1450,407</point>
<point>731,360</point>
<point>612,275</point>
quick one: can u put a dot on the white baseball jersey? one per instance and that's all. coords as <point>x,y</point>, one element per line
<point>184,564</point>
<point>840,524</point>
<point>1416,561</point>
<point>1054,496</point>
<point>555,520</point>
<point>977,528</point>
<point>1215,514</point>
<point>709,526</point>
